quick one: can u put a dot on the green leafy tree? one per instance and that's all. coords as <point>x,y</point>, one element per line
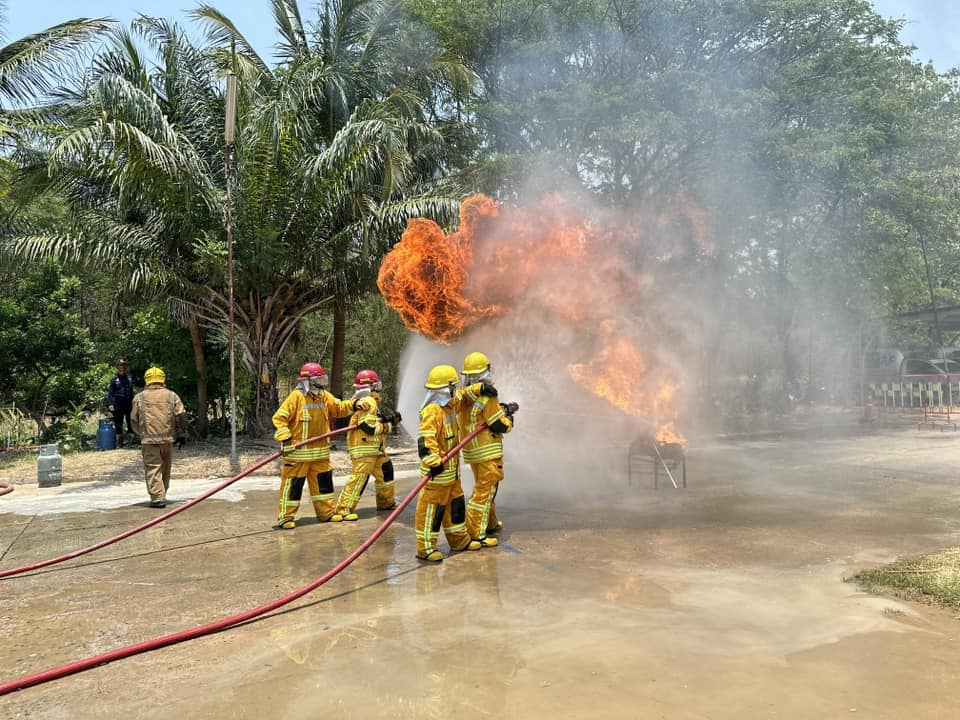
<point>336,152</point>
<point>817,147</point>
<point>135,154</point>
<point>46,358</point>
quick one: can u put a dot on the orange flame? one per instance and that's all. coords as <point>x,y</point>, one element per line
<point>422,278</point>
<point>548,261</point>
<point>619,374</point>
<point>442,284</point>
<point>668,434</point>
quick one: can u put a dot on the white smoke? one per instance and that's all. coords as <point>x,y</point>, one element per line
<point>566,442</point>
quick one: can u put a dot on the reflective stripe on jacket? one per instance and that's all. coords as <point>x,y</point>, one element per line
<point>438,434</point>
<point>303,416</point>
<point>360,442</point>
<point>488,444</point>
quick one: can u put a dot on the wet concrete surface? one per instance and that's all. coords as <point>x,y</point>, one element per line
<point>724,600</point>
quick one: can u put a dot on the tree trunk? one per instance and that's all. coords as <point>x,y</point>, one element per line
<point>339,346</point>
<point>197,337</point>
<point>264,324</point>
<point>268,399</point>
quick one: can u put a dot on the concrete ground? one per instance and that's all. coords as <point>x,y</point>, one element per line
<point>725,600</point>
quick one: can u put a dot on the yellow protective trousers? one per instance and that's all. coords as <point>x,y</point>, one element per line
<point>441,505</point>
<point>363,467</point>
<point>318,476</point>
<point>493,521</point>
<point>480,510</point>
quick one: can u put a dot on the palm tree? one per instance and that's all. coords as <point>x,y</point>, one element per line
<point>33,65</point>
<point>329,172</point>
<point>353,121</point>
<point>135,153</point>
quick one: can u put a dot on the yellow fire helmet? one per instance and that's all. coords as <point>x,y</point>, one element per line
<point>154,375</point>
<point>441,376</point>
<point>475,363</point>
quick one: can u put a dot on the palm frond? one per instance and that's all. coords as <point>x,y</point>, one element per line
<point>222,33</point>
<point>293,47</point>
<point>31,65</point>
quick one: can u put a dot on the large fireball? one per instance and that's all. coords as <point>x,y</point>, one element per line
<point>552,268</point>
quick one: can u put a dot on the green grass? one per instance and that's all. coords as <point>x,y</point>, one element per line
<point>934,578</point>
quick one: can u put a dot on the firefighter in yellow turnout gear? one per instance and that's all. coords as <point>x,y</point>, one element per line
<point>306,413</point>
<point>441,502</point>
<point>485,451</point>
<point>365,444</point>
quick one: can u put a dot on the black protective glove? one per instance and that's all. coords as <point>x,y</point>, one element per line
<point>436,470</point>
<point>488,390</point>
<point>509,408</point>
<point>181,441</point>
<point>396,418</point>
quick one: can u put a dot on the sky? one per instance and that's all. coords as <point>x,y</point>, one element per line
<point>930,24</point>
<point>252,17</point>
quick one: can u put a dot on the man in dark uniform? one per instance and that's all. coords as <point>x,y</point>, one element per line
<point>120,400</point>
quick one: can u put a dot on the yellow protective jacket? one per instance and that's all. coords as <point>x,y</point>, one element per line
<point>440,433</point>
<point>303,416</point>
<point>369,436</point>
<point>158,415</point>
<point>477,409</point>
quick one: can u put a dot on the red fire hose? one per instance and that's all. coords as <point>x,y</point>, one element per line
<point>170,513</point>
<point>5,488</point>
<point>81,665</point>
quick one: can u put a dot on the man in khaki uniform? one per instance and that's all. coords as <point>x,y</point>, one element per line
<point>159,418</point>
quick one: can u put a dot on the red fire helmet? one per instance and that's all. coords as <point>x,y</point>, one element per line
<point>364,378</point>
<point>309,370</point>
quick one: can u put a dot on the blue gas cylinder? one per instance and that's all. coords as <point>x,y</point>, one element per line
<point>106,435</point>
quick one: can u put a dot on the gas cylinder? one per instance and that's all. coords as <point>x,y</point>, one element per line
<point>49,466</point>
<point>106,435</point>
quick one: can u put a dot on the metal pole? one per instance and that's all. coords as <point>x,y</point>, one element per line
<point>664,463</point>
<point>229,134</point>
<point>933,296</point>
<point>933,306</point>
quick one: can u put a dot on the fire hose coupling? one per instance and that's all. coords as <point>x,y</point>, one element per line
<point>509,408</point>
